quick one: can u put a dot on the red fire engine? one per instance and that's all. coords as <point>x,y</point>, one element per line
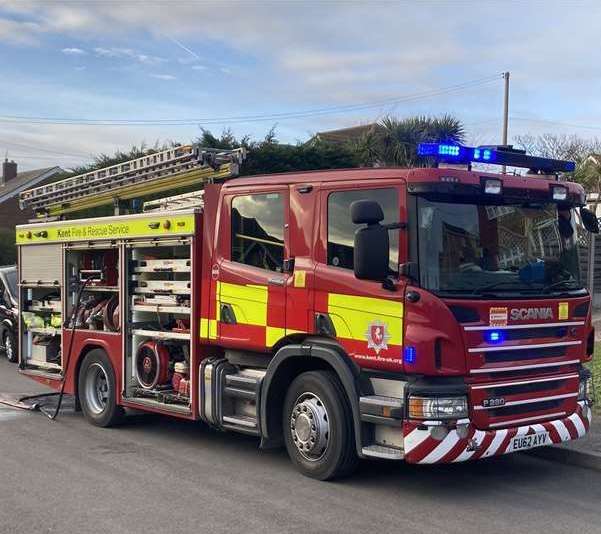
<point>433,315</point>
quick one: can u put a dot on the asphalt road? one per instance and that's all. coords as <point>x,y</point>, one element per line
<point>158,475</point>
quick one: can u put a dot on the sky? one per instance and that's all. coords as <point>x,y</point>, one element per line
<point>79,78</point>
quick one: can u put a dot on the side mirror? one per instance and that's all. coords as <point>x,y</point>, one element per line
<point>372,246</point>
<point>589,220</point>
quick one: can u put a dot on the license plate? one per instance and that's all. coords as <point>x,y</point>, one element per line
<point>520,443</point>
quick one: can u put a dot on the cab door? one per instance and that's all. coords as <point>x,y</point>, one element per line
<point>365,317</point>
<point>249,274</point>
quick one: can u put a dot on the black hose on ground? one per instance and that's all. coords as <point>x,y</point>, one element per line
<point>61,394</point>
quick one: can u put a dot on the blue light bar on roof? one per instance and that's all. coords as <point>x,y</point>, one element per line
<point>483,154</point>
<point>436,149</point>
<point>499,155</point>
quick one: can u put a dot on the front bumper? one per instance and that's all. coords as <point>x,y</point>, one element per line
<point>422,448</point>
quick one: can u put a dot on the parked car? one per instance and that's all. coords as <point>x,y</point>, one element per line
<point>9,313</point>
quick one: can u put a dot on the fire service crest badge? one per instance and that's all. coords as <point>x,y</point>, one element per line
<point>377,336</point>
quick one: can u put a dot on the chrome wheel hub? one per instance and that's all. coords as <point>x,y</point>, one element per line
<point>97,388</point>
<point>310,426</point>
<point>8,347</point>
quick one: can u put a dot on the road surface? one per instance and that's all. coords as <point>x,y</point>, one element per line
<point>155,475</point>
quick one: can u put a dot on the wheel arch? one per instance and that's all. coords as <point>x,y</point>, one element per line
<point>6,325</point>
<point>7,328</point>
<point>294,359</point>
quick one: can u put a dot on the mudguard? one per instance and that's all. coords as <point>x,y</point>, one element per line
<point>326,351</point>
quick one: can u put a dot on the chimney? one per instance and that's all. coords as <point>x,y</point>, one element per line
<point>9,171</point>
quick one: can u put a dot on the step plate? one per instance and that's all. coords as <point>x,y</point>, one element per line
<point>380,451</point>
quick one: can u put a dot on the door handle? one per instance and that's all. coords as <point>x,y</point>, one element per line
<point>226,314</point>
<point>276,281</point>
<point>324,325</point>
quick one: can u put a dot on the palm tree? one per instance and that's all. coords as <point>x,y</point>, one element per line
<point>394,141</point>
<point>588,173</point>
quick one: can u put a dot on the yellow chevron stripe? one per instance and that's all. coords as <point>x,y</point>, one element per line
<point>249,302</point>
<point>351,316</point>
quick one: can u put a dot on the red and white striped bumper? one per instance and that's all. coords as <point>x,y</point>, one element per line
<point>422,448</point>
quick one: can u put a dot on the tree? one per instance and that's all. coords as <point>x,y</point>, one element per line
<point>269,156</point>
<point>104,160</point>
<point>570,147</point>
<point>393,142</point>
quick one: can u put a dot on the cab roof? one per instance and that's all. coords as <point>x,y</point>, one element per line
<point>416,175</point>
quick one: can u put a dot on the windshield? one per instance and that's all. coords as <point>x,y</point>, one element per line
<point>476,248</point>
<point>10,276</point>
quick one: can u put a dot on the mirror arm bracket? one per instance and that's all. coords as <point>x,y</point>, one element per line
<point>389,283</point>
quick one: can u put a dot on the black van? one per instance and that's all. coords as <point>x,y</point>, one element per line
<point>9,313</point>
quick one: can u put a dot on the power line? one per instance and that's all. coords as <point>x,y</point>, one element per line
<point>252,118</point>
<point>45,150</point>
<point>556,123</point>
<point>40,157</point>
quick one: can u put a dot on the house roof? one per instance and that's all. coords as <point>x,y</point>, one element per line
<point>25,180</point>
<point>343,135</point>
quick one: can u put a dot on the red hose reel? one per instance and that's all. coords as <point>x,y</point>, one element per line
<point>152,364</point>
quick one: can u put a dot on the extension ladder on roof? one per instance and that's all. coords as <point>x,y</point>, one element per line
<point>170,169</point>
<point>194,199</point>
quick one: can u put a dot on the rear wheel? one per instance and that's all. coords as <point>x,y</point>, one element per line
<point>318,426</point>
<point>10,346</point>
<point>97,390</point>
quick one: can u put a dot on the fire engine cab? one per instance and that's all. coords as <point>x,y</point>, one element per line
<point>430,315</point>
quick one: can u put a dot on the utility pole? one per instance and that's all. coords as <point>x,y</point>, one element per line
<point>505,112</point>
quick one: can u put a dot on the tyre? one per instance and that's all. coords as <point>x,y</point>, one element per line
<point>318,426</point>
<point>10,346</point>
<point>97,390</point>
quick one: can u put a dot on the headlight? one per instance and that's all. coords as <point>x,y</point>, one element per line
<point>559,192</point>
<point>585,388</point>
<point>438,407</point>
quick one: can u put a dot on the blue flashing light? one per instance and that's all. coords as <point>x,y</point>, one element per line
<point>409,355</point>
<point>500,155</point>
<point>448,150</point>
<point>482,154</point>
<point>494,336</point>
<point>438,149</point>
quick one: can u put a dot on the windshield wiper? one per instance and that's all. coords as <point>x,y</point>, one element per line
<point>548,288</point>
<point>478,290</point>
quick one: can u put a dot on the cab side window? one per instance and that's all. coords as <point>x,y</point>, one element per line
<point>258,231</point>
<point>341,230</point>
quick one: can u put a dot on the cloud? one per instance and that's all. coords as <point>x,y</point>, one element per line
<point>74,51</point>
<point>19,32</point>
<point>128,53</point>
<point>71,144</point>
<point>298,56</point>
<point>166,77</point>
<point>314,50</point>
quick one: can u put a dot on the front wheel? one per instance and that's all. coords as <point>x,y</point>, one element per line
<point>10,347</point>
<point>97,390</point>
<point>318,426</point>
